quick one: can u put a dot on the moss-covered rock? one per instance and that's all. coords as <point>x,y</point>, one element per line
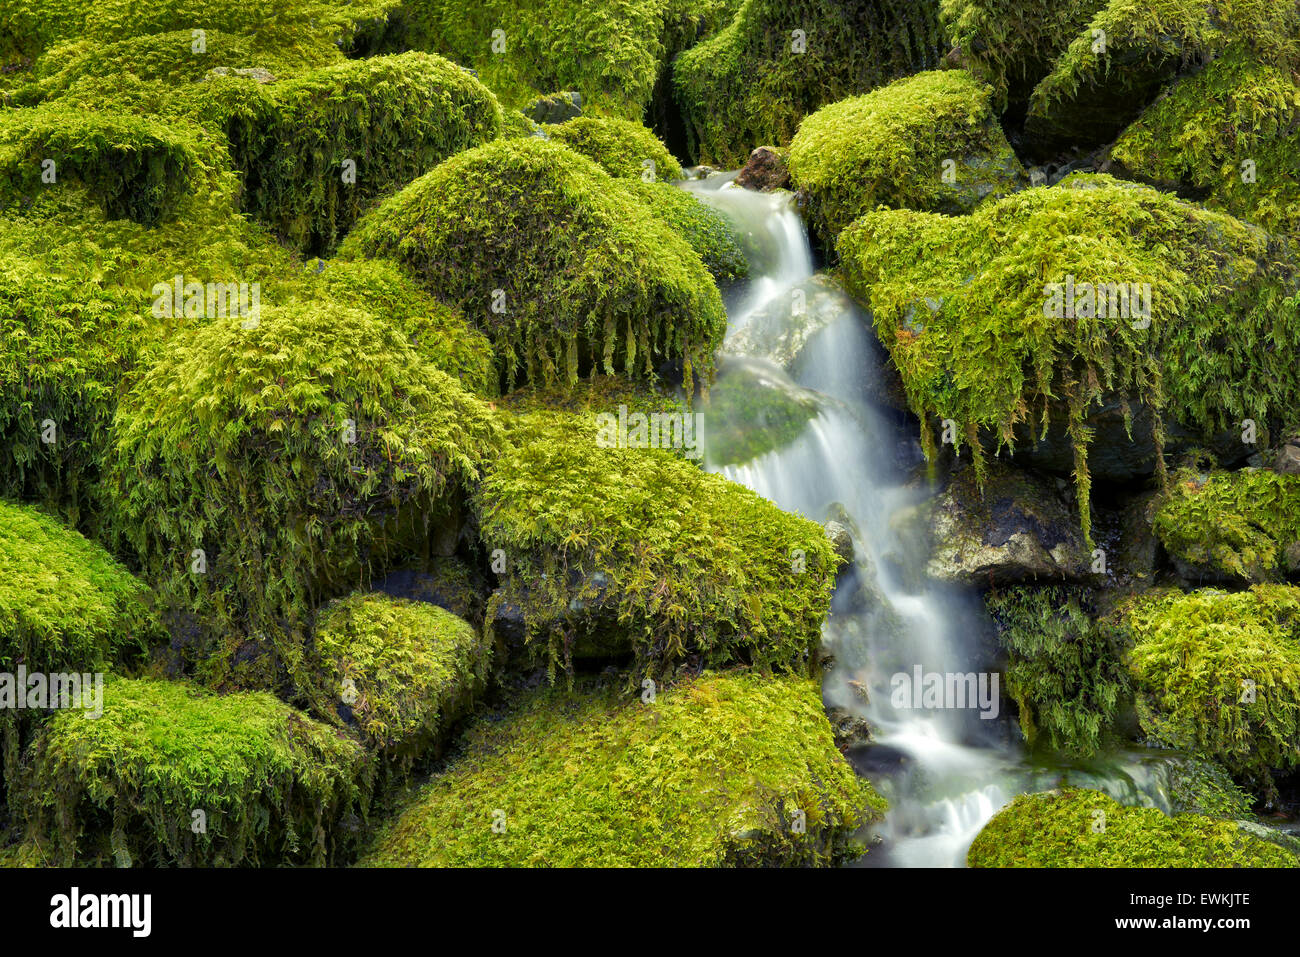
<point>401,671</point>
<point>263,465</point>
<point>565,274</point>
<point>1220,673</point>
<point>611,543</point>
<point>1065,670</point>
<point>754,409</point>
<point>777,62</point>
<point>712,772</point>
<point>170,774</point>
<point>621,148</point>
<point>330,142</point>
<point>929,142</point>
<point>1232,525</point>
<point>712,236</point>
<point>1078,828</point>
<point>1060,298</point>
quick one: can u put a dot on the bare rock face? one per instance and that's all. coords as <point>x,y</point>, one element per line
<point>1287,460</point>
<point>765,170</point>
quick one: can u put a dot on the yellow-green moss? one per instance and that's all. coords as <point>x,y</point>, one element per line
<point>1220,673</point>
<point>1078,828</point>
<point>889,147</point>
<point>272,784</point>
<point>565,273</point>
<point>621,148</point>
<point>707,231</point>
<point>401,671</point>
<point>967,310</point>
<point>778,61</point>
<point>712,772</point>
<point>1232,524</point>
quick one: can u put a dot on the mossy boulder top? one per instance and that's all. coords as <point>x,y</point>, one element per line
<point>620,147</point>
<point>566,275</point>
<point>1078,828</point>
<point>710,772</point>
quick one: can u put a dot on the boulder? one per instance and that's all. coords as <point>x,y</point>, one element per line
<point>766,169</point>
<point>555,108</point>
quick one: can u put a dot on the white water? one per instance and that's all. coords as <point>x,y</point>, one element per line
<point>945,772</point>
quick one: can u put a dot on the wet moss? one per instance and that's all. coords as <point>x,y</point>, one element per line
<point>713,772</point>
<point>402,671</point>
<point>1220,673</point>
<point>565,275</point>
<point>751,83</point>
<point>751,411</point>
<point>1078,828</point>
<point>973,311</point>
<point>272,785</point>
<point>1232,525</point>
<point>890,147</point>
<point>301,451</point>
<point>707,231</point>
<point>623,149</point>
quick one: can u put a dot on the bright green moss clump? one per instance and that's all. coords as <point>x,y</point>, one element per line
<point>1234,525</point>
<point>620,147</point>
<point>392,118</point>
<point>1077,828</point>
<point>565,274</point>
<point>617,549</point>
<point>123,788</point>
<point>778,61</point>
<point>299,452</point>
<point>710,773</point>
<point>890,147</point>
<point>402,671</point>
<point>1220,673</point>
<point>994,317</point>
<point>1065,671</point>
<point>705,230</point>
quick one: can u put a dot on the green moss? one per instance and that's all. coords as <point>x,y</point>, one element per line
<point>1077,828</point>
<point>1220,673</point>
<point>752,411</point>
<point>1065,671</point>
<point>565,274</point>
<point>711,773</point>
<point>620,549</point>
<point>1200,786</point>
<point>515,124</point>
<point>1231,524</point>
<point>392,117</point>
<point>1231,133</point>
<point>122,788</point>
<point>968,308</point>
<point>621,148</point>
<point>890,147</point>
<point>754,81</point>
<point>707,231</point>
<point>403,671</point>
<point>301,455</point>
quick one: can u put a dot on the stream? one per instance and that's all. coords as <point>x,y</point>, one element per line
<point>944,770</point>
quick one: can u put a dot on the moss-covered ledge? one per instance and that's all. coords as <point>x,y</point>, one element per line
<point>727,769</point>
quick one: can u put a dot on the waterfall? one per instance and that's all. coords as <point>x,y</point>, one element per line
<point>945,771</point>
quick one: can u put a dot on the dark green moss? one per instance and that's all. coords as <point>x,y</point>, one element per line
<point>713,772</point>
<point>705,230</point>
<point>1077,828</point>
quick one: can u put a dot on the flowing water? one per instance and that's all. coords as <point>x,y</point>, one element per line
<point>945,771</point>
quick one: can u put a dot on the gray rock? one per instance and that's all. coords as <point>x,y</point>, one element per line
<point>555,108</point>
<point>841,540</point>
<point>1287,460</point>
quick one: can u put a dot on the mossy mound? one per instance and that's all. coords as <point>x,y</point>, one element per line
<point>754,409</point>
<point>929,142</point>
<point>612,543</point>
<point>65,603</point>
<point>1062,296</point>
<point>707,231</point>
<point>264,465</point>
<point>400,671</point>
<point>1065,670</point>
<point>1232,525</point>
<point>566,275</point>
<point>712,772</point>
<point>1230,133</point>
<point>613,54</point>
<point>1220,673</point>
<point>621,148</point>
<point>135,167</point>
<point>332,141</point>
<point>172,775</point>
<point>1078,828</point>
<point>777,62</point>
